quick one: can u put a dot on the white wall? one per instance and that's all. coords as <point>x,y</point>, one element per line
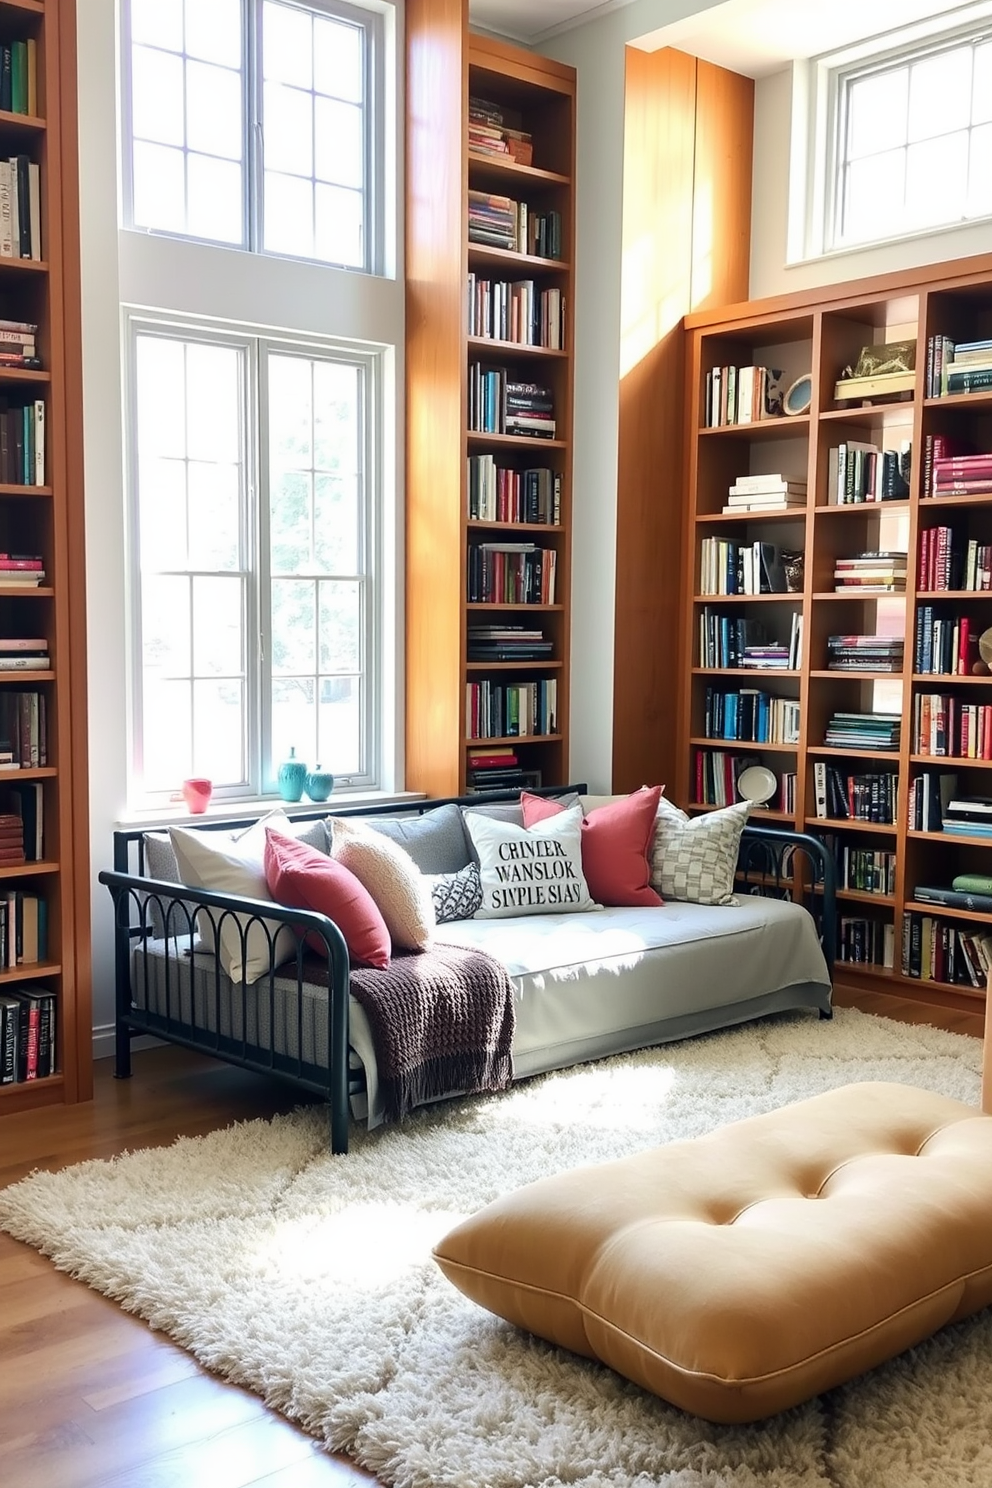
<point>217,283</point>
<point>770,274</point>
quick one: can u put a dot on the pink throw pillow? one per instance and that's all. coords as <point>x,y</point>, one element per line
<point>303,877</point>
<point>615,844</point>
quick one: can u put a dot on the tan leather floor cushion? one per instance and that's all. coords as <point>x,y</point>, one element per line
<point>743,1272</point>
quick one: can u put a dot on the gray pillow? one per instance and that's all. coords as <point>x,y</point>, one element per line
<point>436,841</point>
<point>509,811</point>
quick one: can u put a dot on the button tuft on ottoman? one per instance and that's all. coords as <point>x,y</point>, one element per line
<point>740,1273</point>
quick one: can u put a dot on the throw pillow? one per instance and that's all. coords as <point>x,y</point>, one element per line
<point>456,896</point>
<point>401,891</point>
<point>302,877</point>
<point>436,841</point>
<point>616,839</point>
<point>694,858</point>
<point>234,863</point>
<point>530,872</point>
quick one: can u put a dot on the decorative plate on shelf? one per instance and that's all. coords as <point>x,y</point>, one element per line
<point>757,784</point>
<point>799,396</point>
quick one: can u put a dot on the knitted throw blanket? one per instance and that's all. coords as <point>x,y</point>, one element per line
<point>442,1023</point>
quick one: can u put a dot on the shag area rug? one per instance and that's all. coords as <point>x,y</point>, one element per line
<point>308,1278</point>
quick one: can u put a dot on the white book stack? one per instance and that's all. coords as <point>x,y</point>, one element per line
<point>764,493</point>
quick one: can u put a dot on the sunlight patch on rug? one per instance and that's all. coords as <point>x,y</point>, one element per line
<point>308,1278</point>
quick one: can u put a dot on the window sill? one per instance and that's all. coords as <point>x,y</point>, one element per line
<point>174,815</point>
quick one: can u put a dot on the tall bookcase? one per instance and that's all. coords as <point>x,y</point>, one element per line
<point>821,334</point>
<point>41,513</point>
<point>479,347</point>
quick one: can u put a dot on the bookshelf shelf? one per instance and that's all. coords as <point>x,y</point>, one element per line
<point>939,517</point>
<point>745,745</point>
<point>42,712</point>
<point>456,381</point>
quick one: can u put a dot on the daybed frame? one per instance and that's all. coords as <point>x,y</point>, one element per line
<point>772,863</point>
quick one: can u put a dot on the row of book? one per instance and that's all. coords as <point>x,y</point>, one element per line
<point>864,870</point>
<point>948,562</point>
<point>511,573</point>
<point>881,571</point>
<point>493,130</point>
<point>497,493</point>
<point>730,641</point>
<point>496,221</point>
<point>865,941</point>
<point>497,404</point>
<point>23,929</point>
<point>20,208</point>
<point>508,643</point>
<point>742,395</point>
<point>23,730</point>
<point>859,472</point>
<point>18,344</point>
<point>957,366</point>
<point>853,730</point>
<point>843,796</point>
<point>516,310</point>
<point>761,493</point>
<point>946,645</point>
<point>727,567</point>
<point>19,77</point>
<point>750,715</point>
<point>27,1033</point>
<point>864,653</point>
<point>717,773</point>
<point>938,950</point>
<point>22,441</point>
<point>510,710</point>
<point>945,725</point>
<point>929,795</point>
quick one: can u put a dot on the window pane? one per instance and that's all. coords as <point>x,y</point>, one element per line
<point>940,94</point>
<point>339,742</point>
<point>158,22</point>
<point>218,630</point>
<point>287,45</point>
<point>336,525</point>
<point>157,96</point>
<point>288,130</point>
<point>340,227</point>
<point>944,160</point>
<point>340,626</point>
<point>294,721</point>
<point>339,60</point>
<point>159,188</point>
<point>213,31</point>
<point>288,215</point>
<point>214,200</point>
<point>876,118</point>
<point>340,143</point>
<point>873,201</point>
<point>165,630</point>
<point>219,731</point>
<point>161,404</point>
<point>981,97</point>
<point>980,172</point>
<point>213,110</point>
<point>294,620</point>
<point>167,736</point>
<point>214,516</point>
<point>213,402</point>
<point>162,492</point>
<point>291,521</point>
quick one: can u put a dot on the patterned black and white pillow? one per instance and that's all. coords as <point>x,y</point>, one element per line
<point>456,896</point>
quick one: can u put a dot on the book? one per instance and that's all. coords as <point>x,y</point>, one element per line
<point>953,898</point>
<point>10,1014</point>
<point>972,883</point>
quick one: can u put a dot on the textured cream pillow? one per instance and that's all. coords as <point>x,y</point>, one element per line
<point>387,870</point>
<point>694,858</point>
<point>530,870</point>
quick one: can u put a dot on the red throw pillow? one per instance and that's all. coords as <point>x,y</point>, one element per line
<point>615,842</point>
<point>303,877</point>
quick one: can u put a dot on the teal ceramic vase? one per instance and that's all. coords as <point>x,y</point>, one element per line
<point>318,784</point>
<point>292,777</point>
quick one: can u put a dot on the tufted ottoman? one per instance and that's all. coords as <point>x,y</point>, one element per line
<point>743,1272</point>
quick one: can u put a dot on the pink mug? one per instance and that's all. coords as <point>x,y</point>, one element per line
<point>196,793</point>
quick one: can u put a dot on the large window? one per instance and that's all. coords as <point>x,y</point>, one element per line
<point>257,124</point>
<point>253,546</point>
<point>899,135</point>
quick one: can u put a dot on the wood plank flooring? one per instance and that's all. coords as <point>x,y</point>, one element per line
<point>91,1397</point>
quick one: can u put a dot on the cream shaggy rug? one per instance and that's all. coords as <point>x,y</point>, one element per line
<point>308,1278</point>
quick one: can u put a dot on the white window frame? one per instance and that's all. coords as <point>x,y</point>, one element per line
<point>371,20</point>
<point>815,164</point>
<point>257,343</point>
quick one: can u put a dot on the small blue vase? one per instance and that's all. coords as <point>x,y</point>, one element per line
<point>319,784</point>
<point>292,778</point>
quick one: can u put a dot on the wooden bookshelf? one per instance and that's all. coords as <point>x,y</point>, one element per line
<point>41,513</point>
<point>450,586</point>
<point>821,332</point>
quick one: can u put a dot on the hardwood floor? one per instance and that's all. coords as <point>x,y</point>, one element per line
<point>91,1397</point>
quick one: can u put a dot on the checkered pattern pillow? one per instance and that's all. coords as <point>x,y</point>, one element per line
<point>694,858</point>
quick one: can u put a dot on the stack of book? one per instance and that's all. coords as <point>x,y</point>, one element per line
<point>24,654</point>
<point>878,572</point>
<point>494,767</point>
<point>874,731</point>
<point>491,133</point>
<point>962,475</point>
<point>954,898</point>
<point>11,840</point>
<point>764,493</point>
<point>967,369</point>
<point>528,409</point>
<point>507,643</point>
<point>492,220</point>
<point>25,570</point>
<point>968,816</point>
<point>17,344</point>
<point>864,653</point>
